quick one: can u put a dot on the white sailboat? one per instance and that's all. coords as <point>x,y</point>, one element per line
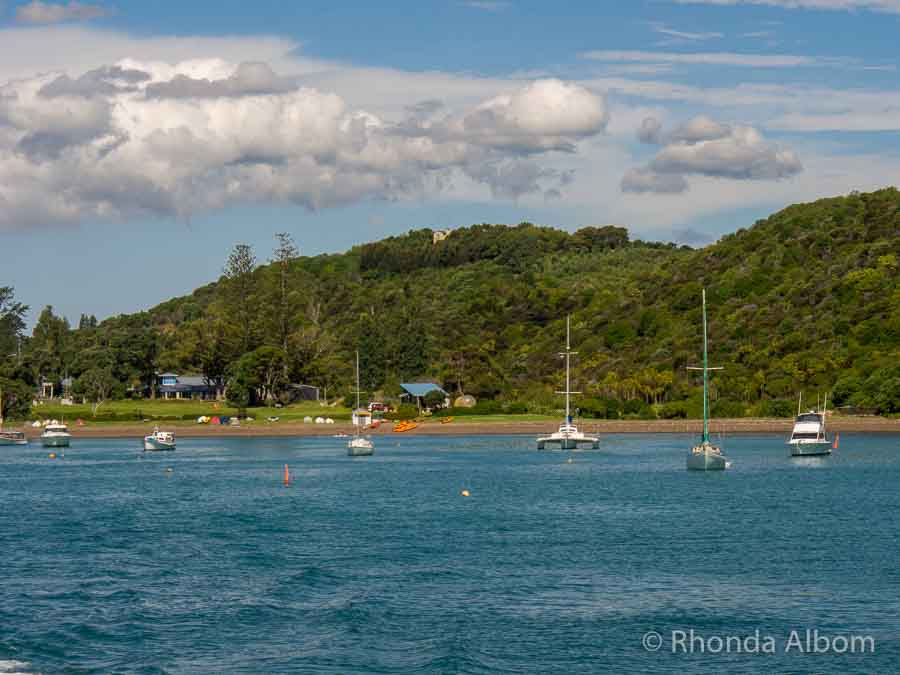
<point>359,446</point>
<point>568,437</point>
<point>8,437</point>
<point>159,440</point>
<point>705,456</point>
<point>808,437</point>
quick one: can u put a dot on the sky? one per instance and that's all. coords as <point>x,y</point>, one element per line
<point>139,142</point>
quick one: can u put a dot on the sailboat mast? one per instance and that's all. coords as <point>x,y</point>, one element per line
<point>357,379</point>
<point>568,353</point>
<point>705,377</point>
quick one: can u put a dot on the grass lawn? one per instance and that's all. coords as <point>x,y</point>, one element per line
<point>188,411</point>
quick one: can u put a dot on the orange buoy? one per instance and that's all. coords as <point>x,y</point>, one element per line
<point>837,440</point>
<point>287,476</point>
<point>464,493</point>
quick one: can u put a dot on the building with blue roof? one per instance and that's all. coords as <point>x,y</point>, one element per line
<point>419,390</point>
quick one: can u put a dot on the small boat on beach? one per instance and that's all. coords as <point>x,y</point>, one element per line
<point>401,427</point>
<point>56,435</point>
<point>568,437</point>
<point>159,441</point>
<point>705,456</point>
<point>808,437</point>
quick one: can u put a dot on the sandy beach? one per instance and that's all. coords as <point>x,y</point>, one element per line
<point>462,427</point>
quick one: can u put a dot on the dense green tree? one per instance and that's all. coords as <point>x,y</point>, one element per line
<point>50,347</point>
<point>240,293</point>
<point>97,386</point>
<point>283,297</point>
<point>12,323</point>
<point>16,399</point>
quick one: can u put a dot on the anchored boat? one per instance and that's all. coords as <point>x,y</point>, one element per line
<point>56,435</point>
<point>705,456</point>
<point>568,437</point>
<point>808,437</point>
<point>159,440</point>
<point>359,446</point>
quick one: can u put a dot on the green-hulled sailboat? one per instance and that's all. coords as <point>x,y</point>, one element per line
<point>705,456</point>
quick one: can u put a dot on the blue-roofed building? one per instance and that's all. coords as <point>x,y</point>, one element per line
<point>419,390</point>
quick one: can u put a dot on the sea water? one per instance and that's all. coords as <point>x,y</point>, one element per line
<point>203,561</point>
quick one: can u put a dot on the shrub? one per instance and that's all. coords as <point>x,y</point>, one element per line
<point>405,411</point>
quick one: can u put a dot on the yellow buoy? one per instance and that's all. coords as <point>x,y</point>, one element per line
<point>52,455</point>
<point>464,493</point>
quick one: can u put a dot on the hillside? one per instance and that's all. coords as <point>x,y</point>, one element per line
<point>805,299</point>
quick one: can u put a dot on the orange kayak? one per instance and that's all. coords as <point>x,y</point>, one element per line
<point>404,426</point>
<point>446,420</point>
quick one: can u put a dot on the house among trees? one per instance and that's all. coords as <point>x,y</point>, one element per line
<point>172,385</point>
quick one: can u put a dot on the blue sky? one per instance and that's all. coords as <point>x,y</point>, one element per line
<point>129,185</point>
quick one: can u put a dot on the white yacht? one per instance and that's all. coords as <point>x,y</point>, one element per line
<point>568,437</point>
<point>56,435</point>
<point>159,440</point>
<point>808,437</point>
<point>359,446</point>
<point>705,456</point>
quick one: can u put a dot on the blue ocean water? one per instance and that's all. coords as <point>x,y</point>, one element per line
<point>110,563</point>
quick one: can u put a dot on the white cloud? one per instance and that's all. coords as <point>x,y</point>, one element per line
<point>148,138</point>
<point>647,180</point>
<point>886,119</point>
<point>649,131</point>
<point>796,108</point>
<point>689,36</point>
<point>488,5</point>
<point>704,147</point>
<point>891,6</point>
<point>705,58</point>
<point>38,12</point>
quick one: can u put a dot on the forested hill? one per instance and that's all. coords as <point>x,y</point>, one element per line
<point>807,299</point>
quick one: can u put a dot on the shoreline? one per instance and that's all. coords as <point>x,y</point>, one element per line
<point>463,428</point>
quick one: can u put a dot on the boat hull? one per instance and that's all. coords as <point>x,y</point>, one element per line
<point>706,460</point>
<point>5,440</point>
<point>810,449</point>
<point>55,441</point>
<point>360,450</point>
<point>567,443</point>
<point>153,445</point>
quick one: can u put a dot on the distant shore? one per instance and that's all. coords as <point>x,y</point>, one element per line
<point>460,427</point>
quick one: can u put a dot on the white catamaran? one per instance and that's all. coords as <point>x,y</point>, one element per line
<point>706,456</point>
<point>567,437</point>
<point>808,437</point>
<point>8,437</point>
<point>359,446</point>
